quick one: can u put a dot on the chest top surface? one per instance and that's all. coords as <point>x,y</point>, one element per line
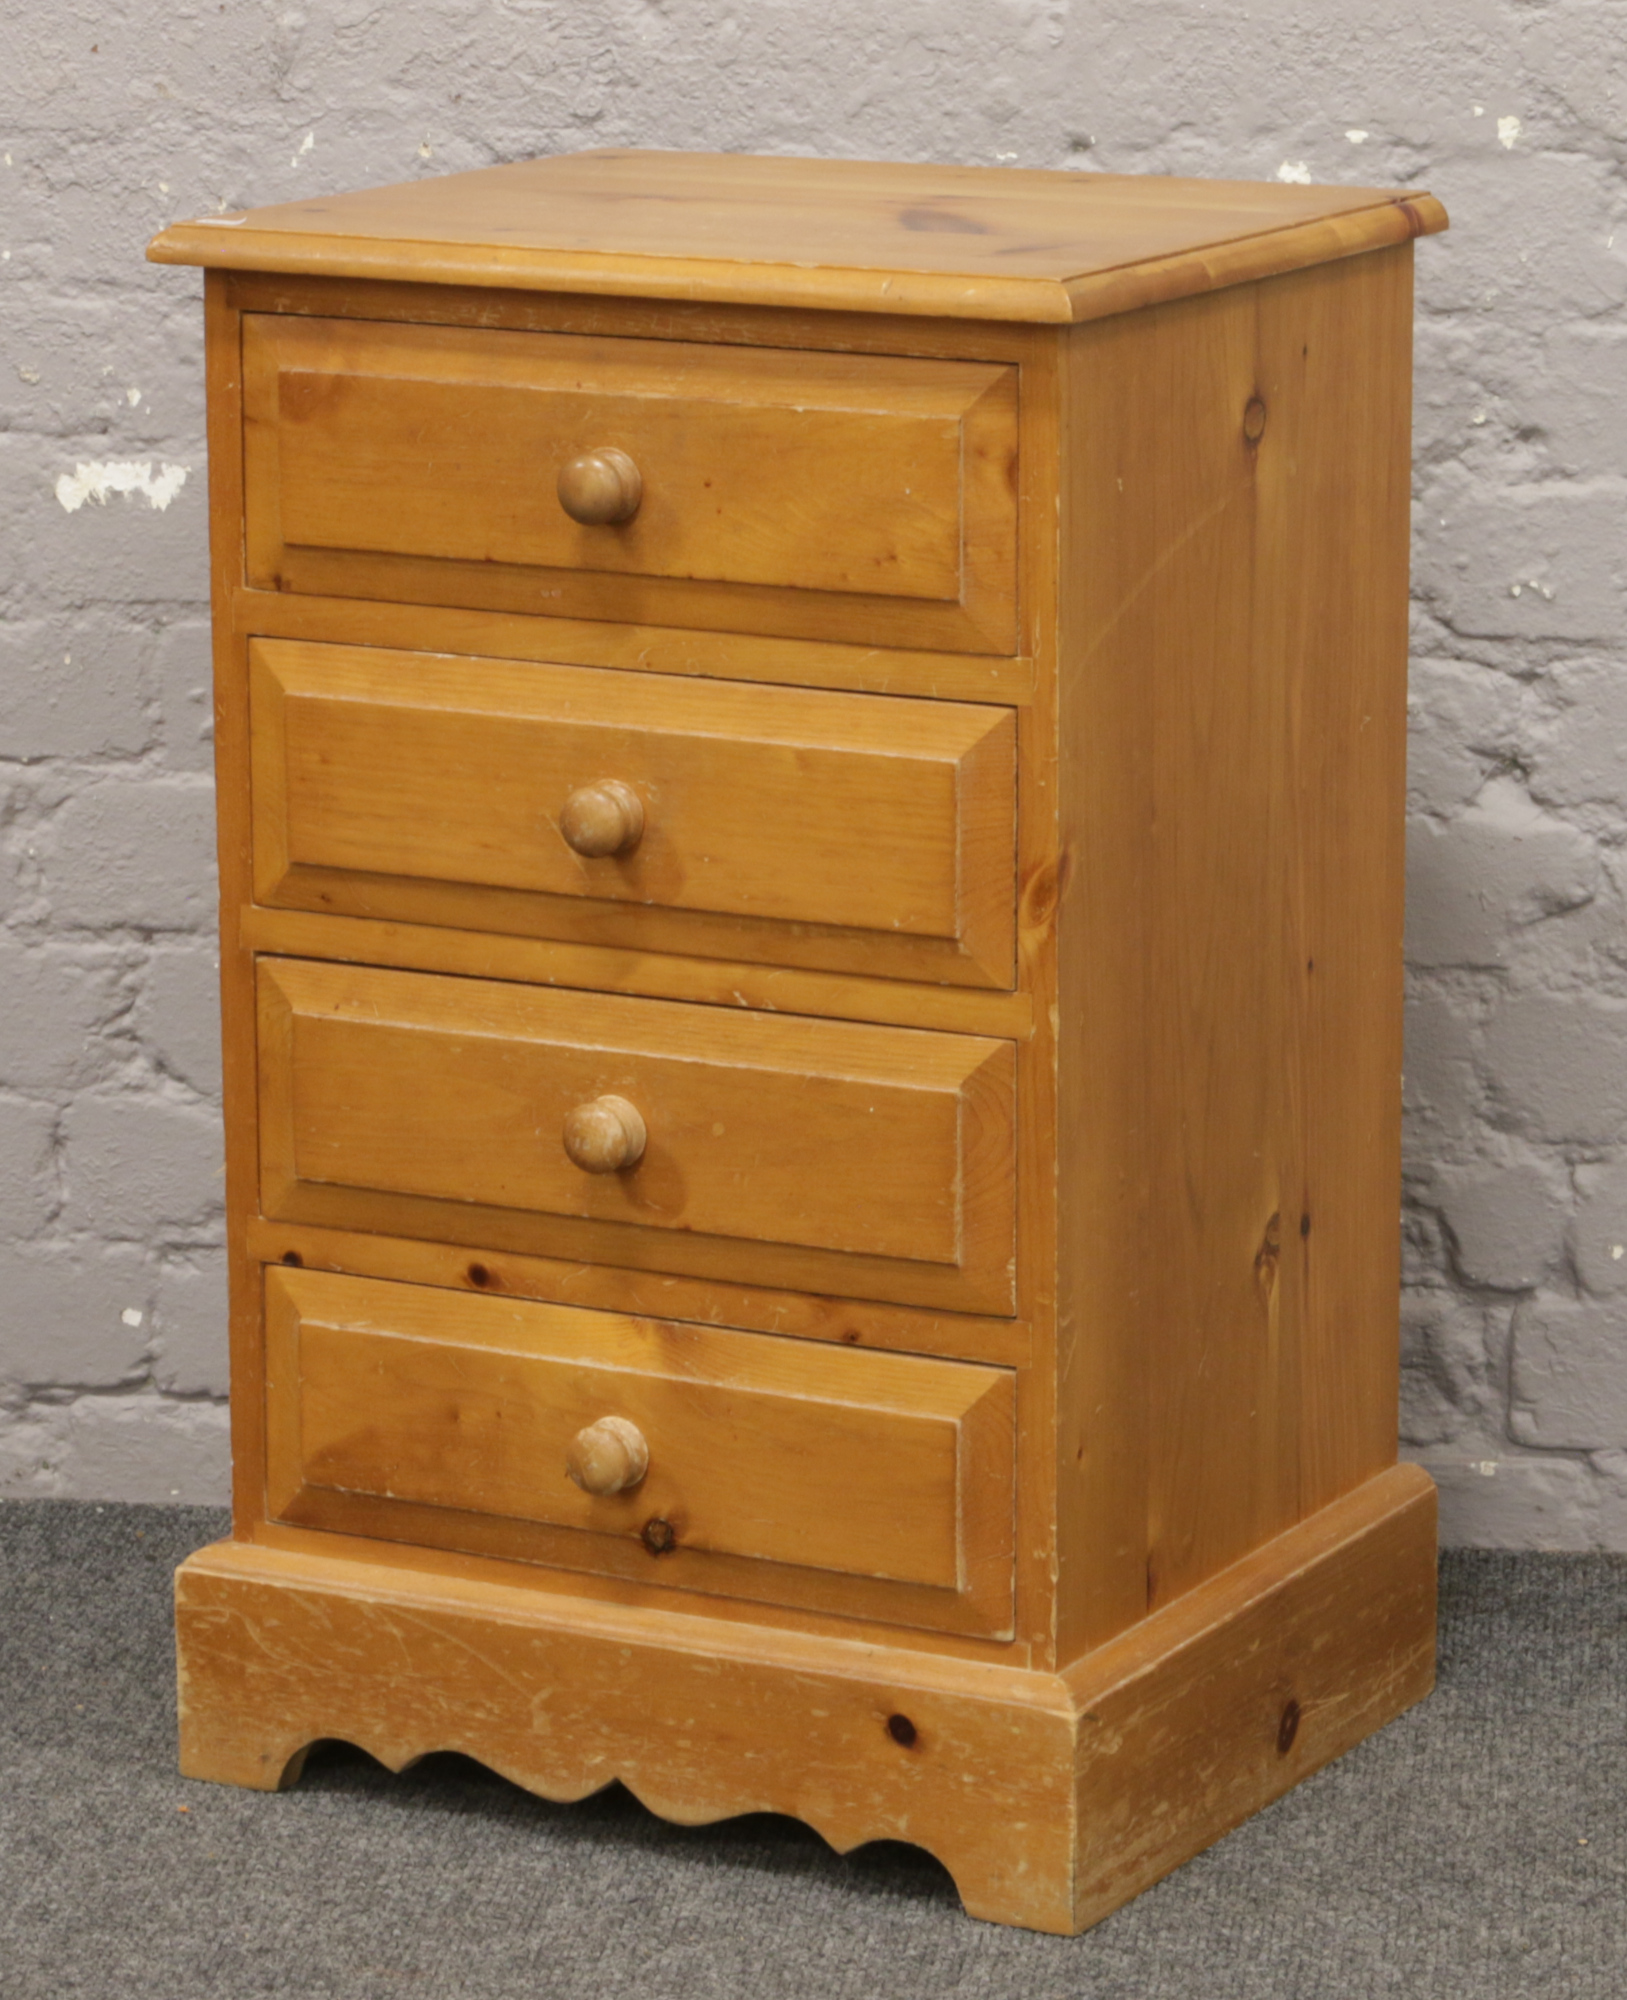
<point>964,242</point>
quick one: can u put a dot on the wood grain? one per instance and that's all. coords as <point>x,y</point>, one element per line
<point>777,805</point>
<point>786,1454</point>
<point>736,1591</point>
<point>415,1088</point>
<point>650,649</point>
<point>605,969</point>
<point>1040,864</point>
<point>1258,1677</point>
<point>1050,1799</point>
<point>1233,720</point>
<point>234,848</point>
<point>654,1294</point>
<point>829,330</point>
<point>421,462</point>
<point>956,242</point>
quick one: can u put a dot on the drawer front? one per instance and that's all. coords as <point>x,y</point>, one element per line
<point>816,1155</point>
<point>866,498</point>
<point>779,1469</point>
<point>426,788</point>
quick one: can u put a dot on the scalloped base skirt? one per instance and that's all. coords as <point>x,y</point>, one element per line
<point>1051,1798</point>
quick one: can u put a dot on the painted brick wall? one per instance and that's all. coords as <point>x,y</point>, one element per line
<point>124,113</point>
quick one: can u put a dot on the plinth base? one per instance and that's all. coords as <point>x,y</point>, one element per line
<point>1051,1798</point>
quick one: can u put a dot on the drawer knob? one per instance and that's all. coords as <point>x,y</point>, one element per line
<point>608,1457</point>
<point>605,1135</point>
<point>601,488</point>
<point>606,818</point>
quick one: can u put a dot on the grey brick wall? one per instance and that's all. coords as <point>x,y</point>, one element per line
<point>124,113</point>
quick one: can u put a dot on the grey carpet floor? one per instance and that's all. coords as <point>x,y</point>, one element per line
<point>1476,1848</point>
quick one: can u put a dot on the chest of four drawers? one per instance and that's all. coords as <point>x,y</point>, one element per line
<point>811,763</point>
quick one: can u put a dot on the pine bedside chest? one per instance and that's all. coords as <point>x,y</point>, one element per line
<point>810,765</point>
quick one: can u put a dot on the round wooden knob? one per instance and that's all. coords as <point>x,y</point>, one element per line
<point>605,1135</point>
<point>608,1457</point>
<point>606,818</point>
<point>601,488</point>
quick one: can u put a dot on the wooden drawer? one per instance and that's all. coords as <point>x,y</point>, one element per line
<point>848,497</point>
<point>854,832</point>
<point>862,1161</point>
<point>776,1469</point>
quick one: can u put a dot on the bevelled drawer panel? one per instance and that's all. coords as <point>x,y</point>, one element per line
<point>885,825</point>
<point>761,1467</point>
<point>834,496</point>
<point>868,1162</point>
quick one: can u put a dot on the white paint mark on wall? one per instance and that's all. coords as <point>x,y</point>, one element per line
<point>1479,110</point>
<point>29,375</point>
<point>1357,136</point>
<point>305,146</point>
<point>426,151</point>
<point>102,477</point>
<point>1295,171</point>
<point>132,397</point>
<point>1508,130</point>
<point>132,1316</point>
